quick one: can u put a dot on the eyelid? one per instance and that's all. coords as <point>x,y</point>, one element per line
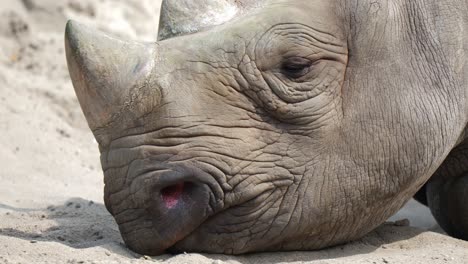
<point>298,60</point>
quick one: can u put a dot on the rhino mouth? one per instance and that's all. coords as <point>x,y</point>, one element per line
<point>175,203</point>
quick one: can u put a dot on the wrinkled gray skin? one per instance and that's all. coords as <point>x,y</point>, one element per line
<point>296,125</point>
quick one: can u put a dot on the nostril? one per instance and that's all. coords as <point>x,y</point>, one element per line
<point>172,194</point>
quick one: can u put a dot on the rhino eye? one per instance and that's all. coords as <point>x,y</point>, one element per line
<point>296,67</point>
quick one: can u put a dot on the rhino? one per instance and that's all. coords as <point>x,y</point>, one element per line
<point>278,125</point>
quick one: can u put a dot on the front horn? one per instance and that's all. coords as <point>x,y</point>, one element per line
<point>104,71</point>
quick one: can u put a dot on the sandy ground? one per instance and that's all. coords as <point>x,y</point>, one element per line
<point>51,208</point>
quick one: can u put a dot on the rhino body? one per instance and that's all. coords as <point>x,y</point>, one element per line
<point>278,124</point>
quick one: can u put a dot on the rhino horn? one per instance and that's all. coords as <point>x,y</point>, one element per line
<point>181,17</point>
<point>104,70</point>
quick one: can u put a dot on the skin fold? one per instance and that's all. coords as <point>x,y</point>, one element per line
<point>296,125</point>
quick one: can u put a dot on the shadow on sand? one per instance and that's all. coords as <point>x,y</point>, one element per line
<point>80,223</point>
<point>77,223</point>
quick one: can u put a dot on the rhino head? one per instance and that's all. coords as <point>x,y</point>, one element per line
<point>266,125</point>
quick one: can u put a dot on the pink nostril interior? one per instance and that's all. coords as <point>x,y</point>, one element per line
<point>171,194</point>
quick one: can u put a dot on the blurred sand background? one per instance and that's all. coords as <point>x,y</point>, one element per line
<point>51,208</point>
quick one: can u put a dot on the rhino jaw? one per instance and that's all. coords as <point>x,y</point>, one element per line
<point>104,70</point>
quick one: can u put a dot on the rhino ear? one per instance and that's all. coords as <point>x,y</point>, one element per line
<point>104,70</point>
<point>181,17</point>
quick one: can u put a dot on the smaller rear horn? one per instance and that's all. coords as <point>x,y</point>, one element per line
<point>182,17</point>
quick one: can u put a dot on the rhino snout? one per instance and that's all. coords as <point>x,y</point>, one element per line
<point>166,208</point>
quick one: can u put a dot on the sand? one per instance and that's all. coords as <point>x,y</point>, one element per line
<point>51,185</point>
